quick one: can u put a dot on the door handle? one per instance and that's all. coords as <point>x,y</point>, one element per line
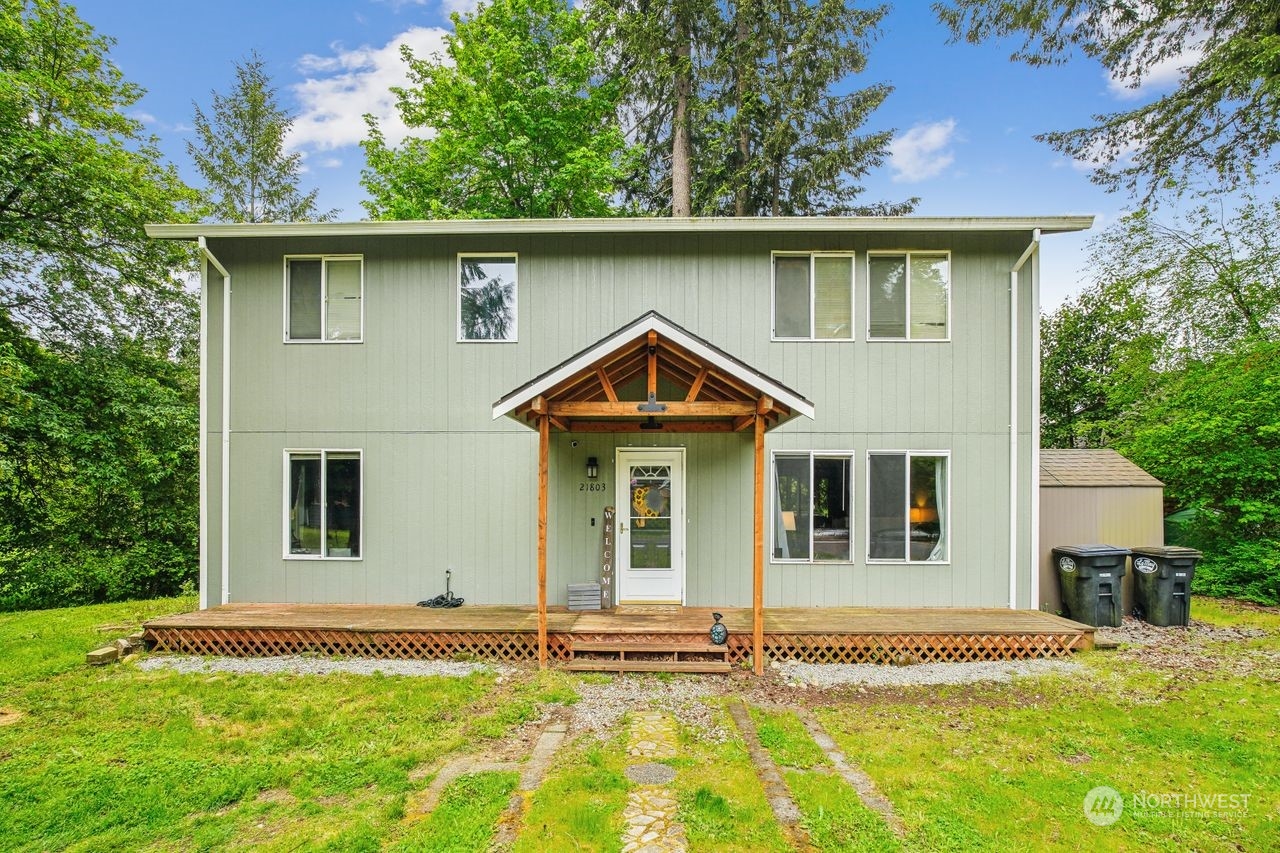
<point>622,527</point>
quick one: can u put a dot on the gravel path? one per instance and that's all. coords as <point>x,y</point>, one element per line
<point>878,675</point>
<point>1135,632</point>
<point>602,704</point>
<point>299,665</point>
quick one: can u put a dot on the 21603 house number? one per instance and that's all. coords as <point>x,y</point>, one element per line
<point>592,487</point>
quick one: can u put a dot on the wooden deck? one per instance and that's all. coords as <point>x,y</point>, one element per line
<point>815,635</point>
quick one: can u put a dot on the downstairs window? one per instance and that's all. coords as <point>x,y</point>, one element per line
<point>323,504</point>
<point>812,504</point>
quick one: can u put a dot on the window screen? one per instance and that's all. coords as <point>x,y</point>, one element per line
<point>304,300</point>
<point>791,297</point>
<point>888,297</point>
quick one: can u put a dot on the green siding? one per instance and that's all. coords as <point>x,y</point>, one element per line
<point>448,487</point>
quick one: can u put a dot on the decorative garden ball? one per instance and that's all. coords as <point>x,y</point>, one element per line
<point>719,633</point>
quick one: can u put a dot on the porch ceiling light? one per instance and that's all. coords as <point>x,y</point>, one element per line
<point>593,468</point>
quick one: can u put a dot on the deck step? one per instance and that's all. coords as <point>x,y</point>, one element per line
<point>649,648</point>
<point>706,666</point>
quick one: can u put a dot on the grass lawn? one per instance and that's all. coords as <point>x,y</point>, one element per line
<point>1008,767</point>
<point>115,758</point>
<point>118,758</point>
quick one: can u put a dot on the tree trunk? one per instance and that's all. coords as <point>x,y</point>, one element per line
<point>740,180</point>
<point>681,159</point>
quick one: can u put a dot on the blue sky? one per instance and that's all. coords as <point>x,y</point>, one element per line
<point>964,116</point>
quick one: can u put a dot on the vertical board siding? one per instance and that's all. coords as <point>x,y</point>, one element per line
<point>447,487</point>
<point>1126,517</point>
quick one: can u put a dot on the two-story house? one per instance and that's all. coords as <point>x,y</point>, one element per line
<point>782,412</point>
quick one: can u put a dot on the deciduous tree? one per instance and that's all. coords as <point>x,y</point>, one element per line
<point>240,152</point>
<point>1212,434</point>
<point>522,124</point>
<point>78,179</point>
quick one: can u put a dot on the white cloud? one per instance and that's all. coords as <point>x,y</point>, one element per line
<point>146,118</point>
<point>1163,75</point>
<point>923,151</point>
<point>342,87</point>
<point>331,163</point>
<point>462,7</point>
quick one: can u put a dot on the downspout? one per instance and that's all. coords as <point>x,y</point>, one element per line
<point>204,433</point>
<point>224,521</point>
<point>1013,416</point>
<point>1035,434</point>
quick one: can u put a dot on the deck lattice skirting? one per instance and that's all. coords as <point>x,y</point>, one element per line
<point>489,636</point>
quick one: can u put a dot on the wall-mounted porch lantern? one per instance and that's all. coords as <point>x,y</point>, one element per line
<point>593,468</point>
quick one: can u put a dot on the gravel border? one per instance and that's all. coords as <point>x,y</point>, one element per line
<point>302,665</point>
<point>879,675</point>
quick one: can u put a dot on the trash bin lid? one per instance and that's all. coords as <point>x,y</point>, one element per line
<point>1168,552</point>
<point>1091,550</point>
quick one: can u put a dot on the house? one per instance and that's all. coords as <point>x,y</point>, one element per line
<point>806,412</point>
<point>1094,496</point>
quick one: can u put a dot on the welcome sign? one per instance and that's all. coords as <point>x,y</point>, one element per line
<point>607,560</point>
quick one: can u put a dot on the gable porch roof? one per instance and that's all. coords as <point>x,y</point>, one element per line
<point>721,392</point>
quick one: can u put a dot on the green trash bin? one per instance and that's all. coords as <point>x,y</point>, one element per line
<point>1090,578</point>
<point>1162,583</point>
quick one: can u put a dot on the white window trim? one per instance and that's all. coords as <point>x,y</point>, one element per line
<point>850,455</point>
<point>813,314</point>
<point>907,561</point>
<point>515,302</point>
<point>323,453</point>
<point>871,253</point>
<point>324,298</point>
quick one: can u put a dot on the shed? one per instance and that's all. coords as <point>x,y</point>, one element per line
<point>1094,496</point>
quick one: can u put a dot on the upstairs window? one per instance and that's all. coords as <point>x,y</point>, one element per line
<point>324,299</point>
<point>813,297</point>
<point>909,296</point>
<point>487,298</point>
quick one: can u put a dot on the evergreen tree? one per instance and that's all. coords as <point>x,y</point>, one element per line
<point>796,146</point>
<point>239,151</point>
<point>1222,118</point>
<point>733,105</point>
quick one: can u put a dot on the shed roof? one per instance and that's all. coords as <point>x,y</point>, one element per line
<point>1084,468</point>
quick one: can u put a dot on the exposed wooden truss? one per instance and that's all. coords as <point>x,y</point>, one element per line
<point>596,398</point>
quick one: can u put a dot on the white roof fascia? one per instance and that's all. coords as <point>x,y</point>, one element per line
<point>626,336</point>
<point>615,225</point>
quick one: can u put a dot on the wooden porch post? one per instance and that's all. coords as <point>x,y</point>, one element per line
<point>757,592</point>
<point>544,442</point>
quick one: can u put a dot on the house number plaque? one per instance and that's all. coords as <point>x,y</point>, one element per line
<point>606,560</point>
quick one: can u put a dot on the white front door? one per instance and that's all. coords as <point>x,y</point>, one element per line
<point>651,524</point>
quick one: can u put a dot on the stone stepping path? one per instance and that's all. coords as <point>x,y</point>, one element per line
<point>852,773</point>
<point>775,789</point>
<point>532,772</point>
<point>650,815</point>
